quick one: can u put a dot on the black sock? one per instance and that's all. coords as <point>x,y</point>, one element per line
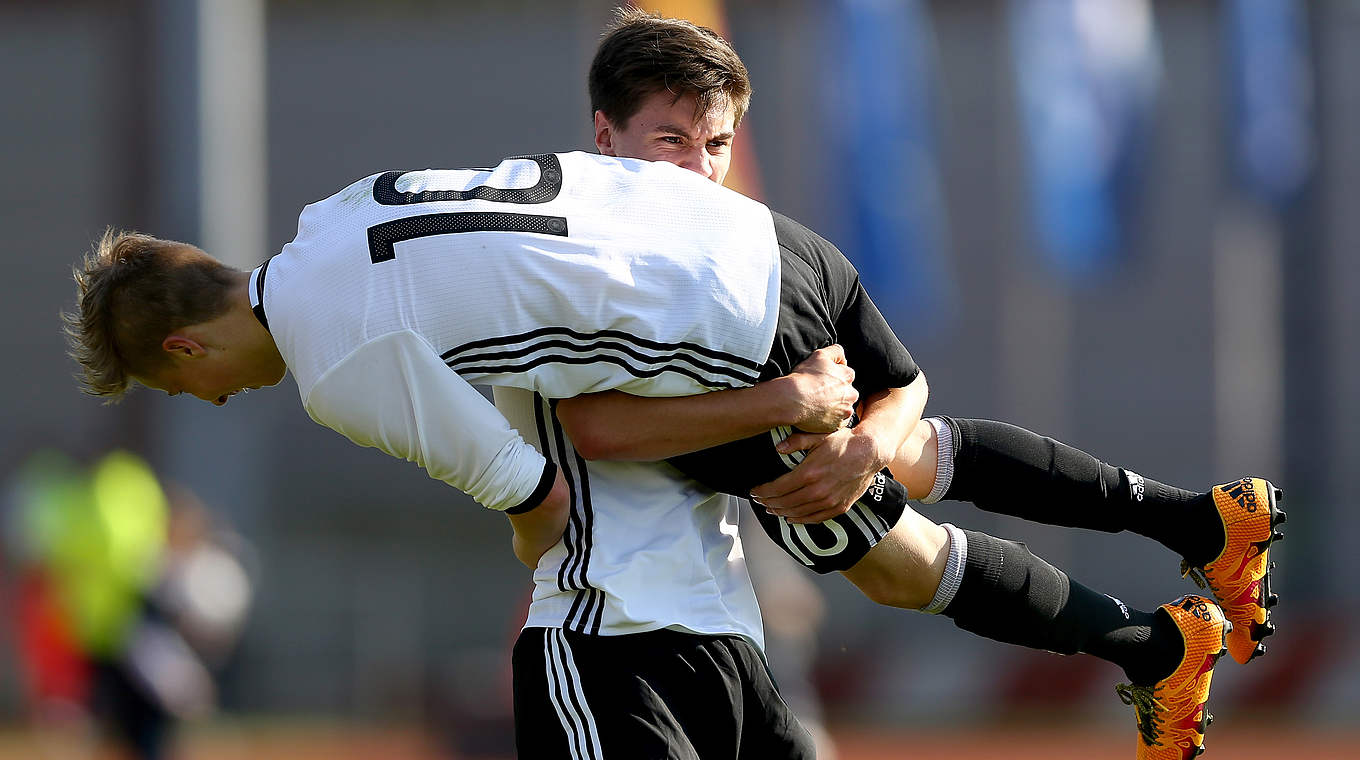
<point>1008,594</point>
<point>1009,470</point>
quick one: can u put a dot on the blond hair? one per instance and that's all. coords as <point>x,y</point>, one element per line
<point>132,290</point>
<point>643,53</point>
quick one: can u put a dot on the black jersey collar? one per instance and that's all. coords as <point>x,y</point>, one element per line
<point>257,293</point>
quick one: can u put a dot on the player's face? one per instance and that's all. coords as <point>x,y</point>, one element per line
<point>211,378</point>
<point>665,129</point>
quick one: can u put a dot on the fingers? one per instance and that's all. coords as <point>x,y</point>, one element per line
<point>801,499</point>
<point>804,508</point>
<point>821,516</point>
<point>834,352</point>
<point>800,442</point>
<point>826,358</point>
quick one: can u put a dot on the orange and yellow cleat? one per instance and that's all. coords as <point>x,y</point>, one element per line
<point>1240,576</point>
<point>1171,714</point>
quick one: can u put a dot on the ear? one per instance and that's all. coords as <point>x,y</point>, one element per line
<point>604,134</point>
<point>182,345</point>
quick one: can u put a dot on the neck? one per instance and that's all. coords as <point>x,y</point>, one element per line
<point>253,340</point>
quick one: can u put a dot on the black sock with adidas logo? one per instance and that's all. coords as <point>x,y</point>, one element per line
<point>1008,594</point>
<point>1009,470</point>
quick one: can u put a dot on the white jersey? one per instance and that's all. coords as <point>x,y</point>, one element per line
<point>560,274</point>
<point>645,548</point>
<point>545,277</point>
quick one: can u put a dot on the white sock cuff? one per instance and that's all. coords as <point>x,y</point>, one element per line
<point>953,571</point>
<point>944,459</point>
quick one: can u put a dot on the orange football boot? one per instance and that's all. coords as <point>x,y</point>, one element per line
<point>1240,576</point>
<point>1171,713</point>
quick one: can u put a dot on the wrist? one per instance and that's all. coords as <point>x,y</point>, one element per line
<point>774,403</point>
<point>880,447</point>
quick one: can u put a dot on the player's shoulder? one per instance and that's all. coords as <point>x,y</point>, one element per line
<point>796,239</point>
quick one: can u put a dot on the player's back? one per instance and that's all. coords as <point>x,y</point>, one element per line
<point>645,547</point>
<point>558,273</point>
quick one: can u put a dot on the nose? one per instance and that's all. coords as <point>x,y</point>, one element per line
<point>699,161</point>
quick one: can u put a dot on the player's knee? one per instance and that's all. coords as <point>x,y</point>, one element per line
<point>891,584</point>
<point>905,567</point>
<point>915,461</point>
<point>898,592</point>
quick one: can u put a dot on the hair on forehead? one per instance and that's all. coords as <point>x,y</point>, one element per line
<point>642,53</point>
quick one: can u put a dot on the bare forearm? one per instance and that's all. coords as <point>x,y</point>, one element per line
<point>617,426</point>
<point>817,396</point>
<point>538,529</point>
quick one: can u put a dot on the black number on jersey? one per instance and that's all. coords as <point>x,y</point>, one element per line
<point>383,237</point>
<point>549,185</point>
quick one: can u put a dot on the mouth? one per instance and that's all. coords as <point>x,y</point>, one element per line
<point>223,398</point>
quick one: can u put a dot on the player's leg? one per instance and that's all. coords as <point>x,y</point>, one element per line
<point>898,558</point>
<point>1000,590</point>
<point>1223,534</point>
<point>1009,470</point>
<point>991,587</point>
<point>660,694</point>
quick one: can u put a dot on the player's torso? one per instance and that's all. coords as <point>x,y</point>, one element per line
<point>560,273</point>
<point>645,547</point>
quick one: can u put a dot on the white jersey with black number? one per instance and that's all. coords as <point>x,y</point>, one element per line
<point>559,274</point>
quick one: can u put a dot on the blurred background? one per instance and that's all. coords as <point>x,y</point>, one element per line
<point>1130,225</point>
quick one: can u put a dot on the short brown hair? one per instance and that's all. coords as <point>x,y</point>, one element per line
<point>642,53</point>
<point>133,290</point>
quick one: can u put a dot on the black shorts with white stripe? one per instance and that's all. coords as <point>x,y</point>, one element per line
<point>660,695</point>
<point>837,544</point>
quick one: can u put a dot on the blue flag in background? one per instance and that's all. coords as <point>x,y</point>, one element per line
<point>1271,122</point>
<point>879,94</point>
<point>1087,76</point>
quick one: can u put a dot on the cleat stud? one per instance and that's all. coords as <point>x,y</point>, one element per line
<point>1279,518</point>
<point>1260,650</point>
<point>1278,536</point>
<point>1279,494</point>
<point>1272,600</point>
<point>1272,566</point>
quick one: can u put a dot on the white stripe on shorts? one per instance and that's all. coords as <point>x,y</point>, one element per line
<point>871,525</point>
<point>568,697</point>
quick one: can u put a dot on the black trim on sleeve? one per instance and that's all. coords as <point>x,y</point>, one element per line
<point>545,484</point>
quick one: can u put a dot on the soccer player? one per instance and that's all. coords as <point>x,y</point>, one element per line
<point>664,89</point>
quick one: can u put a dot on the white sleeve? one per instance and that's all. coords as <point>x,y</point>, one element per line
<point>395,394</point>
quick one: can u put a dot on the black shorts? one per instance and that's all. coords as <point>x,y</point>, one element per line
<point>661,695</point>
<point>837,544</point>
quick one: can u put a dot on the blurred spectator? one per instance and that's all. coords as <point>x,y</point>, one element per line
<point>125,601</point>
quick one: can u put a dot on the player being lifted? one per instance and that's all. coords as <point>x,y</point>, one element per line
<point>640,111</point>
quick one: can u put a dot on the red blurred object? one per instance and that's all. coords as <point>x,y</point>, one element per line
<point>55,668</point>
